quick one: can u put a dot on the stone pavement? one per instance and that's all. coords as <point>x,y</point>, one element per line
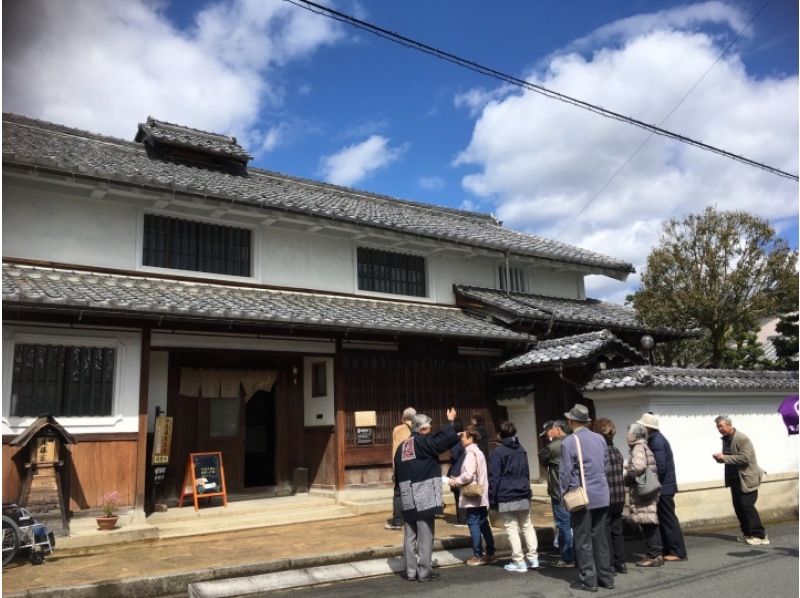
<point>166,566</point>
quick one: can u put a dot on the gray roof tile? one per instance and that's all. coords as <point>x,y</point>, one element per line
<point>32,143</point>
<point>568,349</point>
<point>692,379</point>
<point>585,312</point>
<point>172,134</point>
<point>118,293</point>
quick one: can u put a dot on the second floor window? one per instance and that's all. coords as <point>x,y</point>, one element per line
<point>387,272</point>
<point>64,381</point>
<point>513,280</point>
<point>198,246</point>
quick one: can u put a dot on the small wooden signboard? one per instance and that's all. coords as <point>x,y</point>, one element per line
<point>204,478</point>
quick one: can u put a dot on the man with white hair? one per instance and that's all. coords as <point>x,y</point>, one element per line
<point>399,434</point>
<point>418,476</point>
<point>743,477</point>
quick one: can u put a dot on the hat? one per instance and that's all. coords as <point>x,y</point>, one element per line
<point>578,413</point>
<point>546,427</point>
<point>648,420</point>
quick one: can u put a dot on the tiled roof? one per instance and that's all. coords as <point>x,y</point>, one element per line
<point>131,295</point>
<point>692,379</point>
<point>172,134</point>
<point>569,349</point>
<point>33,143</point>
<point>585,312</point>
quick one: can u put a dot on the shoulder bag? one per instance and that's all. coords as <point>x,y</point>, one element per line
<point>647,484</point>
<point>577,499</point>
<point>474,488</point>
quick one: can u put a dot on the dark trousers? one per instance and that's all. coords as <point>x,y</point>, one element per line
<point>397,507</point>
<point>590,537</point>
<point>478,522</point>
<point>616,541</point>
<point>461,516</point>
<point>671,534</point>
<point>652,540</point>
<point>564,525</point>
<point>744,504</point>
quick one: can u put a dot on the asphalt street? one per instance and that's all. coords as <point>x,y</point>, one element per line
<point>717,566</point>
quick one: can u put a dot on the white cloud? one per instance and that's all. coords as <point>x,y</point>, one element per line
<point>477,98</point>
<point>540,161</point>
<point>431,183</point>
<point>355,162</point>
<point>273,137</point>
<point>105,66</point>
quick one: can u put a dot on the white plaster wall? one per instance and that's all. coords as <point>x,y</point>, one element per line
<point>125,406</point>
<point>306,260</point>
<point>60,229</point>
<point>555,284</point>
<point>687,420</point>
<point>448,271</point>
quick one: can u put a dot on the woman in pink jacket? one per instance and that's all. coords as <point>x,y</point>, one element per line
<point>474,471</point>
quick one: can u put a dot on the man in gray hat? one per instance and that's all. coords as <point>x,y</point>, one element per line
<point>588,524</point>
<point>554,433</point>
<point>673,546</point>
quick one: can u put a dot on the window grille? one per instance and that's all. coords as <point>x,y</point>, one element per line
<point>517,278</point>
<point>64,381</point>
<point>197,246</point>
<point>387,272</point>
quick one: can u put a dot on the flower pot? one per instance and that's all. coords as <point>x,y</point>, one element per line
<point>107,523</point>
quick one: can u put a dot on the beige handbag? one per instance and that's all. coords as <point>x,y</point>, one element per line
<point>577,499</point>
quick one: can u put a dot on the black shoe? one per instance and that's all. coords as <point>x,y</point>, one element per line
<point>431,577</point>
<point>621,568</point>
<point>579,585</point>
<point>609,586</point>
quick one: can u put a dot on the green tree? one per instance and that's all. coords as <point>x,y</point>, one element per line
<point>717,272</point>
<point>786,345</point>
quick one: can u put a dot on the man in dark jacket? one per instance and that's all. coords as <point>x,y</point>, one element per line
<point>419,477</point>
<point>480,423</point>
<point>550,455</point>
<point>674,548</point>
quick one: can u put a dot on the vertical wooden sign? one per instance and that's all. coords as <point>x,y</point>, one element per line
<point>204,478</point>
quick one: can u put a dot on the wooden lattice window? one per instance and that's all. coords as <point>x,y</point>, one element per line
<point>387,272</point>
<point>197,246</point>
<point>62,380</point>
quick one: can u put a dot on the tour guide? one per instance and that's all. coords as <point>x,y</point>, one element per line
<point>419,477</point>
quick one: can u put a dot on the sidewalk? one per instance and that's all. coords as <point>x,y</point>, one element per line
<point>166,566</point>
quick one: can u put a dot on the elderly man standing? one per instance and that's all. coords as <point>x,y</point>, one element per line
<point>418,475</point>
<point>743,476</point>
<point>588,524</point>
<point>399,434</point>
<point>672,544</point>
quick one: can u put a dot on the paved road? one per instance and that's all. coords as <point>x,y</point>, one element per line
<point>717,566</point>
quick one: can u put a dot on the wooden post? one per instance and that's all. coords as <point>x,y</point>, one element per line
<point>339,431</point>
<point>141,444</point>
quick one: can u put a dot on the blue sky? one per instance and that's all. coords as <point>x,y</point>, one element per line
<point>313,98</point>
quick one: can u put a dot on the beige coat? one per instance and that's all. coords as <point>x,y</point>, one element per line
<point>641,457</point>
<point>743,457</point>
<point>399,434</point>
<point>473,470</point>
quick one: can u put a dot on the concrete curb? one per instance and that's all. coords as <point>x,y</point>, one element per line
<point>177,583</point>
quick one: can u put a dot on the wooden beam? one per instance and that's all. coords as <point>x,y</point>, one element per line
<point>338,403</point>
<point>141,444</point>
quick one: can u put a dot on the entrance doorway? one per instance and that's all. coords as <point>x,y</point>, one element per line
<point>259,439</point>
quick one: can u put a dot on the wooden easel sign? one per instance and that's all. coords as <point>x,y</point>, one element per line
<point>204,478</point>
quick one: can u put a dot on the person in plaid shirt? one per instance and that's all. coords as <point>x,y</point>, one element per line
<point>616,488</point>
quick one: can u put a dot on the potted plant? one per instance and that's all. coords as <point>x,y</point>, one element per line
<point>108,520</point>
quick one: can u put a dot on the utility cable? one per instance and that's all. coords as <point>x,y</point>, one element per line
<point>669,114</point>
<point>490,72</point>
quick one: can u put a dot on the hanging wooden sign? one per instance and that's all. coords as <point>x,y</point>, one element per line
<point>204,478</point>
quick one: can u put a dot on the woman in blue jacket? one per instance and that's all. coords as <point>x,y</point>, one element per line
<point>510,495</point>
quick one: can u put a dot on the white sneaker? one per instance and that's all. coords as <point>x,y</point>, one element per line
<point>518,567</point>
<point>532,563</point>
<point>754,541</point>
<point>743,539</point>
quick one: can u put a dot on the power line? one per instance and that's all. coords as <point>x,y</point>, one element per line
<point>490,72</point>
<point>670,113</point>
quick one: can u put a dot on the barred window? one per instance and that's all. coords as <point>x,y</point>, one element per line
<point>198,246</point>
<point>387,272</point>
<point>64,381</point>
<point>514,280</point>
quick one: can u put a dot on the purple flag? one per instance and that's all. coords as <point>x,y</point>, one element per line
<point>789,411</point>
